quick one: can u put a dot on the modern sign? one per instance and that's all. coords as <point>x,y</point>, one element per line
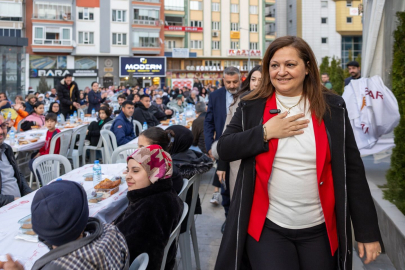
<point>180,52</point>
<point>240,52</point>
<point>35,73</point>
<point>235,34</point>
<point>143,66</point>
<point>183,28</point>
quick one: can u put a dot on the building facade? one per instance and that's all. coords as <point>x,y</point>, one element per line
<point>331,27</point>
<point>12,48</point>
<point>204,37</point>
<point>88,37</point>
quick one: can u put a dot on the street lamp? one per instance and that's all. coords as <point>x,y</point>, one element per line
<point>249,46</point>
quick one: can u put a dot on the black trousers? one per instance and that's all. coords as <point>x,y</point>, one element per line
<point>67,112</point>
<point>286,249</point>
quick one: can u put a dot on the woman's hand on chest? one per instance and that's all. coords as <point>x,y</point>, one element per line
<point>281,126</point>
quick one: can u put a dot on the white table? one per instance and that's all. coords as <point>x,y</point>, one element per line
<point>38,144</point>
<point>106,210</point>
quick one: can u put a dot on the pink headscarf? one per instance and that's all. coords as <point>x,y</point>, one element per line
<point>156,162</point>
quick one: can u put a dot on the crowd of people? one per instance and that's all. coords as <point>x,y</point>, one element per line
<point>275,136</point>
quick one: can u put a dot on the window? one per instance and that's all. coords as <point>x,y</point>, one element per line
<point>170,44</point>
<point>141,15</point>
<point>253,28</point>
<point>349,19</point>
<point>119,15</point>
<point>170,20</point>
<point>146,39</point>
<point>196,44</point>
<point>324,20</point>
<point>215,7</point>
<point>213,63</point>
<point>215,45</point>
<point>216,25</point>
<point>195,5</point>
<point>119,39</point>
<point>86,14</point>
<point>10,33</point>
<point>86,37</point>
<point>324,4</point>
<point>196,23</point>
<point>234,26</point>
<point>52,11</point>
<point>253,9</point>
<point>351,45</point>
<point>349,3</point>
<point>324,40</point>
<point>232,63</point>
<point>234,8</point>
<point>234,45</point>
<point>253,46</point>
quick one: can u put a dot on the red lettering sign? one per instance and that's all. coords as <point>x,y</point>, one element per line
<point>183,28</point>
<point>377,94</point>
<point>365,129</point>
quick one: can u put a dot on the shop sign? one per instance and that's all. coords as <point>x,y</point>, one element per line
<point>235,35</point>
<point>184,28</point>
<point>354,12</point>
<point>241,52</point>
<point>143,66</point>
<point>180,52</point>
<point>35,73</point>
<point>108,69</point>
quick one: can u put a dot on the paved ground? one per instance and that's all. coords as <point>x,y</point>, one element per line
<point>209,223</point>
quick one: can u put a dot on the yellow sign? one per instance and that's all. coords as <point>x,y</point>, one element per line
<point>108,69</point>
<point>235,35</point>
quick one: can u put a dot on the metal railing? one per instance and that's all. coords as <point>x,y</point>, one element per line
<point>67,17</point>
<point>146,44</point>
<point>56,42</point>
<point>173,23</point>
<point>147,22</point>
<point>177,8</point>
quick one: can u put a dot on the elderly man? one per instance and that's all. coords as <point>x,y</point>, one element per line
<point>12,181</point>
<point>160,110</point>
<point>218,106</point>
<point>194,98</point>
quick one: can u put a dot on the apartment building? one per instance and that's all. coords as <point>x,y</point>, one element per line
<point>12,47</point>
<point>89,38</point>
<point>204,37</point>
<point>331,27</point>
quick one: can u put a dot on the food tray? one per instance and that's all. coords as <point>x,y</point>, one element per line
<point>25,220</point>
<point>27,231</point>
<point>95,199</point>
<point>107,192</point>
<point>87,177</point>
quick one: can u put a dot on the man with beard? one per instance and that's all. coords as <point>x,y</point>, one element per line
<point>354,70</point>
<point>218,106</point>
<point>68,95</point>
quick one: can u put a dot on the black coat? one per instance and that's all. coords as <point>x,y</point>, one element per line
<point>64,95</point>
<point>243,139</point>
<point>142,114</point>
<point>190,100</point>
<point>159,111</point>
<point>94,131</point>
<point>151,216</point>
<point>22,184</point>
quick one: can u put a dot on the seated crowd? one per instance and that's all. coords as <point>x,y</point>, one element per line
<point>77,241</point>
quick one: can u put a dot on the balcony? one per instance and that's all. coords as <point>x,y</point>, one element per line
<point>147,1</point>
<point>52,45</point>
<point>146,47</point>
<point>270,17</point>
<point>270,35</point>
<point>146,44</point>
<point>147,22</point>
<point>270,2</point>
<point>174,8</point>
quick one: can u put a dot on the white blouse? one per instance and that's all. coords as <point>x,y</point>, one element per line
<point>293,189</point>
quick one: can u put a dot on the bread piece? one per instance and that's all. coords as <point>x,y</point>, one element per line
<point>108,184</point>
<point>26,226</point>
<point>30,233</point>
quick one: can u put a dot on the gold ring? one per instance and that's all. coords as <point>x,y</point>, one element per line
<point>379,252</point>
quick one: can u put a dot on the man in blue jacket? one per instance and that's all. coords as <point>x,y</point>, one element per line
<point>123,128</point>
<point>218,106</point>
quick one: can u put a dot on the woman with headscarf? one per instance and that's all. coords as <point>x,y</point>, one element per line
<point>154,208</point>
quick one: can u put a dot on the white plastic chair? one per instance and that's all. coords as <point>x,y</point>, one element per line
<point>109,145</point>
<point>137,124</point>
<point>173,108</point>
<point>121,153</point>
<point>48,167</point>
<point>140,263</point>
<point>65,137</point>
<point>107,126</point>
<point>184,190</point>
<point>93,150</point>
<point>173,236</point>
<point>19,126</point>
<point>184,238</point>
<point>74,154</point>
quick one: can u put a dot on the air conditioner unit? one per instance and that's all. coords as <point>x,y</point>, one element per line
<point>215,34</point>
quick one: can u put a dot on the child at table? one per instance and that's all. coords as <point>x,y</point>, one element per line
<point>35,118</point>
<point>50,123</point>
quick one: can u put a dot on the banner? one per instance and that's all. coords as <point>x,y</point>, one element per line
<point>183,28</point>
<point>35,73</point>
<point>180,52</point>
<point>180,83</point>
<point>241,52</point>
<point>151,66</point>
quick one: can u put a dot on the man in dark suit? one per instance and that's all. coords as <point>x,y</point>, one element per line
<point>218,105</point>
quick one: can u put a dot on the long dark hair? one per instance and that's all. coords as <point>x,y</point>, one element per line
<point>313,89</point>
<point>36,105</point>
<point>157,135</point>
<point>106,109</point>
<point>50,108</point>
<point>246,84</point>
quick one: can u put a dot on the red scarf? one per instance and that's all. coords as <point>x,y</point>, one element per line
<point>264,166</point>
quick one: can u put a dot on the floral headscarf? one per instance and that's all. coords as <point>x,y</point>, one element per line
<point>156,162</point>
